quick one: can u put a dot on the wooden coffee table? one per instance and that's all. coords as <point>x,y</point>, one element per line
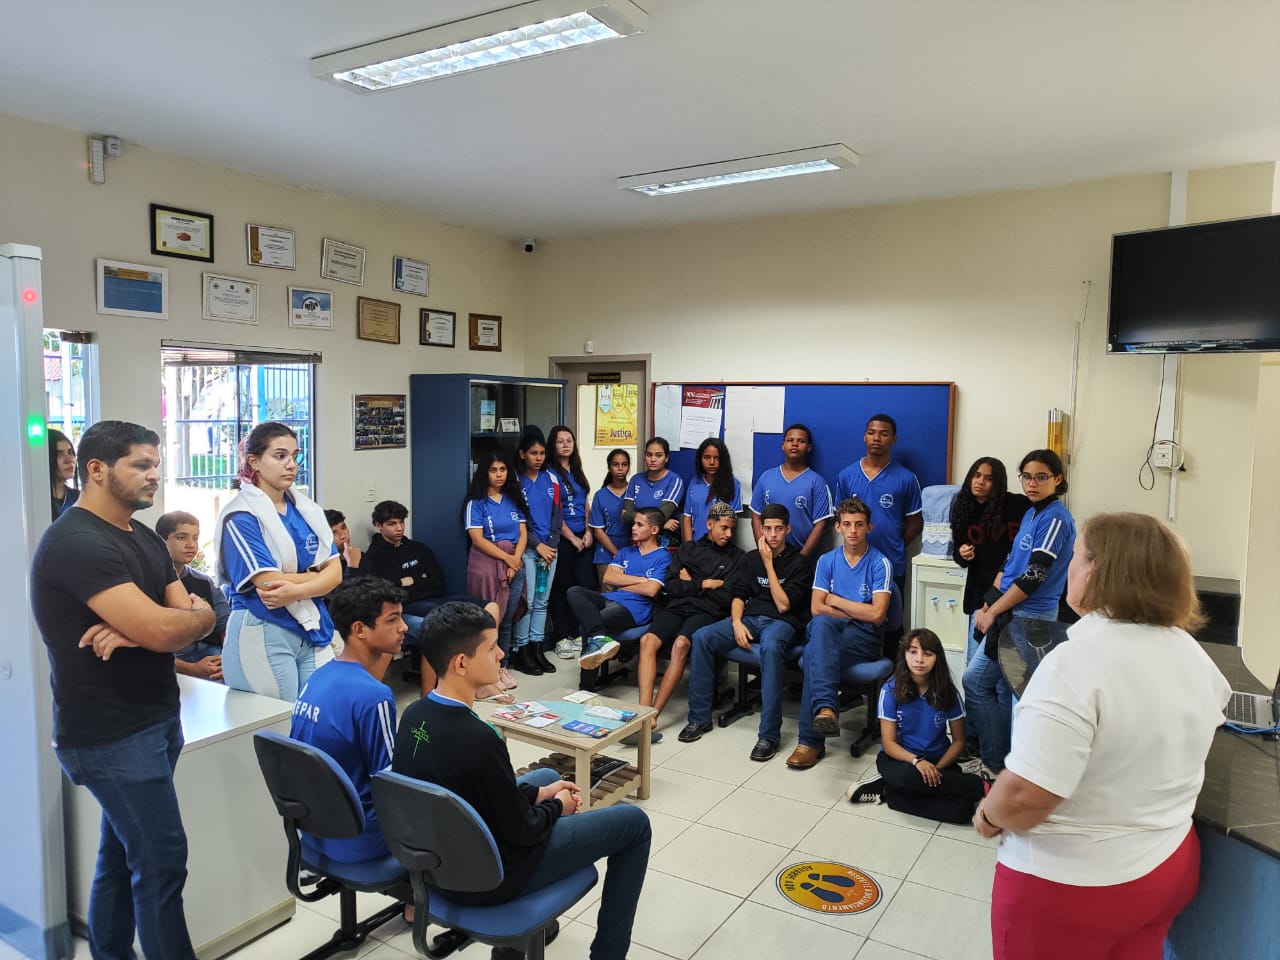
<point>619,783</point>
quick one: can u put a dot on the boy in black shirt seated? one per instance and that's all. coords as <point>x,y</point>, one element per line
<point>407,563</point>
<point>350,554</point>
<point>540,834</point>
<point>181,534</point>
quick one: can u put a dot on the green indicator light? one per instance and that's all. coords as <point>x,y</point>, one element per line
<point>35,430</point>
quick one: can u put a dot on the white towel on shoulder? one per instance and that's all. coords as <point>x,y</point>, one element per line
<point>252,500</point>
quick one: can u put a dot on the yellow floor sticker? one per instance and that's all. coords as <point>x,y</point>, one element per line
<point>826,887</point>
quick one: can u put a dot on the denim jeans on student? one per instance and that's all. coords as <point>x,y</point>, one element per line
<point>834,645</point>
<point>195,652</point>
<point>622,834</point>
<point>142,852</point>
<point>988,704</point>
<point>772,638</point>
<point>533,624</point>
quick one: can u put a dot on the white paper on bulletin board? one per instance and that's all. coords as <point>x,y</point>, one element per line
<point>739,424</point>
<point>666,411</point>
<point>767,402</point>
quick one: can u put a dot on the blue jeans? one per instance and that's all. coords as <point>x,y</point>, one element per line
<point>533,624</point>
<point>195,652</point>
<point>415,612</point>
<point>772,638</point>
<point>265,658</point>
<point>988,704</point>
<point>142,853</point>
<point>834,645</point>
<point>622,834</point>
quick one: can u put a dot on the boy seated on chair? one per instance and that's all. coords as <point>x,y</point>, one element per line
<point>540,834</point>
<point>350,554</point>
<point>346,711</point>
<point>769,608</point>
<point>636,575</point>
<point>697,595</point>
<point>852,586</point>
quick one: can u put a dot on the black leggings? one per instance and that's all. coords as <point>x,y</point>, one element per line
<point>573,569</point>
<point>597,615</point>
<point>951,801</point>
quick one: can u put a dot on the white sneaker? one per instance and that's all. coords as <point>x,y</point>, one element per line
<point>567,649</point>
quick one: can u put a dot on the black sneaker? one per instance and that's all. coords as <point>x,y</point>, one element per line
<point>763,750</point>
<point>539,656</point>
<point>693,731</point>
<point>867,790</point>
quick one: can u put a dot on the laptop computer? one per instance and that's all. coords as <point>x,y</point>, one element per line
<point>1255,711</point>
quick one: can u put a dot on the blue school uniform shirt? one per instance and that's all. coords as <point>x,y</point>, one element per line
<point>654,493</point>
<point>872,574</point>
<point>573,504</point>
<point>343,711</point>
<point>244,554</point>
<point>922,728</point>
<point>606,515</point>
<point>496,520</point>
<point>1051,529</point>
<point>653,566</point>
<point>696,505</point>
<point>807,497</point>
<point>893,494</point>
<point>542,495</point>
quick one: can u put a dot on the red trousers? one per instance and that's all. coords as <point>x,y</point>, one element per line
<point>1037,919</point>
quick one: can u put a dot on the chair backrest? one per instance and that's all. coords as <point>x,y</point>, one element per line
<point>308,787</point>
<point>435,831</point>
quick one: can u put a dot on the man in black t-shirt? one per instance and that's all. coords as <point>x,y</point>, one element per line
<point>540,835</point>
<point>112,611</point>
<point>769,608</point>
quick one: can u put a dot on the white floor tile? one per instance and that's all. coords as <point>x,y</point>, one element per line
<point>881,812</point>
<point>367,904</point>
<point>764,816</point>
<point>956,867</point>
<point>676,917</point>
<point>718,859</point>
<point>823,784</point>
<point>720,758</point>
<point>867,844</point>
<point>682,794</point>
<point>306,931</point>
<point>574,943</point>
<point>767,894</point>
<point>937,924</point>
<point>665,827</point>
<point>756,931</point>
<point>965,832</point>
<point>871,950</point>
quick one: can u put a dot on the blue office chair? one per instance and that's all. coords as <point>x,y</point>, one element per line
<point>443,844</point>
<point>315,797</point>
<point>748,662</point>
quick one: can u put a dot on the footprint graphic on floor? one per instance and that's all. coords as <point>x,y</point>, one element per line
<point>833,879</point>
<point>822,892</point>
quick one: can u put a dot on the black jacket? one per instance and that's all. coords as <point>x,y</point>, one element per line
<point>704,561</point>
<point>410,559</point>
<point>794,571</point>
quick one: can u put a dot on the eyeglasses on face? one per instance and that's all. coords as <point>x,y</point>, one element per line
<point>1037,477</point>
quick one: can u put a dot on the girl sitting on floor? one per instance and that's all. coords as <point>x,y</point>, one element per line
<point>918,706</point>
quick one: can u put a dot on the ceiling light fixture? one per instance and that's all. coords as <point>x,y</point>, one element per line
<point>792,163</point>
<point>489,40</point>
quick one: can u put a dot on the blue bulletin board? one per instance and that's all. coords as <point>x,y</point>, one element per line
<point>837,414</point>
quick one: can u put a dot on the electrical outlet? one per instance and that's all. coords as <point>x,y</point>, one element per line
<point>369,494</point>
<point>1162,456</point>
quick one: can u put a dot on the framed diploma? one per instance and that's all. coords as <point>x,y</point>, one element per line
<point>437,328</point>
<point>486,332</point>
<point>410,276</point>
<point>230,299</point>
<point>132,289</point>
<point>310,308</point>
<point>379,420</point>
<point>181,233</point>
<point>377,320</point>
<point>342,262</point>
<point>269,247</point>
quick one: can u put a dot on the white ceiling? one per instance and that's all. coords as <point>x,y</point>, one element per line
<point>941,98</point>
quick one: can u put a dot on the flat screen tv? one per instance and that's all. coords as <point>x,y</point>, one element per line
<point>1206,288</point>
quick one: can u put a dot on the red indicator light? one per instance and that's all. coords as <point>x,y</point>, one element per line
<point>30,296</point>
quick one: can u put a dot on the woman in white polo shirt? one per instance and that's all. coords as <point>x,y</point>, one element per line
<point>1097,852</point>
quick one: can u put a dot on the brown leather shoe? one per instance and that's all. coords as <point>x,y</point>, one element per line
<point>826,723</point>
<point>803,757</point>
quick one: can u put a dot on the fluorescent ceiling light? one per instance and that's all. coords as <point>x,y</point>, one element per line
<point>792,163</point>
<point>503,36</point>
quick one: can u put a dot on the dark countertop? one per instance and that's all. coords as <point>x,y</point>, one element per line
<point>1241,792</point>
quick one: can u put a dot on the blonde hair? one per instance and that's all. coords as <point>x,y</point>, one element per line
<point>1141,572</point>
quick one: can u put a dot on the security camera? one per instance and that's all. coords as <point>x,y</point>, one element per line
<point>529,245</point>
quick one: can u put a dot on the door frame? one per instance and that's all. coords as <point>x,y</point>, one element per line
<point>574,369</point>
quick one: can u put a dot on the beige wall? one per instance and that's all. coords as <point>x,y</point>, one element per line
<point>986,291</point>
<point>46,200</point>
